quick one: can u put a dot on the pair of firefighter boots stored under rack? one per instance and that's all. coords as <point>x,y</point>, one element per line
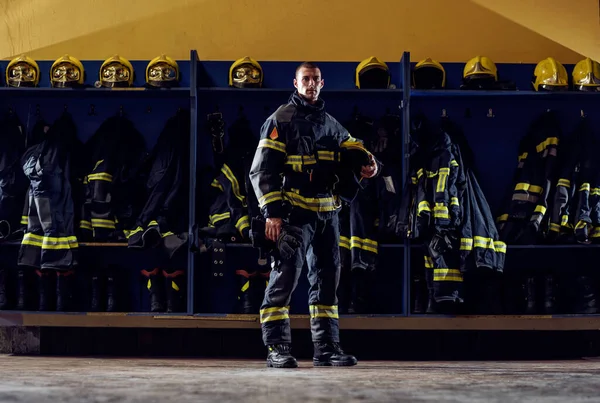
<point>514,295</point>
<point>38,290</point>
<point>326,354</point>
<point>354,292</point>
<point>52,290</point>
<point>166,288</point>
<point>547,295</point>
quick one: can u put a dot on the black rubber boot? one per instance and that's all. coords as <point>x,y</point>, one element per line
<point>156,288</point>
<point>245,300</point>
<point>530,296</point>
<point>64,289</point>
<point>111,294</point>
<point>22,277</point>
<point>96,300</point>
<point>328,354</point>
<point>175,290</point>
<point>3,297</point>
<point>280,356</point>
<point>549,295</point>
<point>420,290</point>
<point>359,303</point>
<point>431,304</point>
<point>584,296</point>
<point>46,288</point>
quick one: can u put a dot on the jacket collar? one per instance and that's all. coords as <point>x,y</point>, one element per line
<point>318,107</point>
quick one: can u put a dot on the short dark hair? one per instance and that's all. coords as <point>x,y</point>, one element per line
<point>306,65</point>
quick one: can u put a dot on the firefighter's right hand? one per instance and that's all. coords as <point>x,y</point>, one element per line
<point>273,228</point>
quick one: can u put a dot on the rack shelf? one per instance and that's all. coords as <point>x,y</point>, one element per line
<point>347,322</point>
<point>247,245</point>
<point>94,92</point>
<point>483,93</point>
<point>566,246</point>
<point>85,244</point>
<point>254,91</point>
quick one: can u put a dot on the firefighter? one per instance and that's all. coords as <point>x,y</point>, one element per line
<point>294,177</point>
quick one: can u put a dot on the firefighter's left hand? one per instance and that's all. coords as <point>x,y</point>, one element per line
<point>370,170</point>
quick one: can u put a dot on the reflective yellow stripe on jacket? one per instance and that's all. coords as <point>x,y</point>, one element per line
<point>316,204</point>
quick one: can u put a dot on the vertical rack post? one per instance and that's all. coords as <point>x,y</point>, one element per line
<point>192,228</point>
<point>405,149</point>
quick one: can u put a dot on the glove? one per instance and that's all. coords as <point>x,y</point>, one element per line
<point>289,241</point>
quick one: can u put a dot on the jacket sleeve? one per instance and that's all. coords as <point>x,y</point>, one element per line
<point>350,143</point>
<point>267,169</point>
<point>230,179</point>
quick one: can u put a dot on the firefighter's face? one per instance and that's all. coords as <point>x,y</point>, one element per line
<point>309,83</point>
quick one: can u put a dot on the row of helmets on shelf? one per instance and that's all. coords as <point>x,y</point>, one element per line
<point>370,73</point>
<point>68,72</point>
<point>480,72</point>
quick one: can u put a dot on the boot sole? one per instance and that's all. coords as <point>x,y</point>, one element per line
<point>271,365</point>
<point>334,364</point>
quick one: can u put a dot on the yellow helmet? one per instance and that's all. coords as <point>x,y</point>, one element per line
<point>550,75</point>
<point>162,71</point>
<point>586,75</point>
<point>22,71</point>
<point>372,73</point>
<point>429,74</point>
<point>245,73</point>
<point>66,71</point>
<point>116,71</point>
<point>480,67</point>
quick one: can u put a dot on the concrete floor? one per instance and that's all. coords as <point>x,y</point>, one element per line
<point>57,379</point>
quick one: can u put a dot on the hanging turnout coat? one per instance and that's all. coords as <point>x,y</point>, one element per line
<point>13,183</point>
<point>444,207</point>
<point>49,241</point>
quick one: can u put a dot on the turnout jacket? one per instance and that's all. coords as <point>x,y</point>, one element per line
<point>13,183</point>
<point>444,207</point>
<point>233,201</point>
<point>370,218</point>
<point>556,191</point>
<point>574,213</point>
<point>162,221</point>
<point>49,241</point>
<point>113,158</point>
<point>521,222</point>
<point>305,161</point>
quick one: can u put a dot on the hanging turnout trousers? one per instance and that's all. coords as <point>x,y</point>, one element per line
<point>305,161</point>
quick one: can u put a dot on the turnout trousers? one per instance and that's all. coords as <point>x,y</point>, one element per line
<point>320,250</point>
